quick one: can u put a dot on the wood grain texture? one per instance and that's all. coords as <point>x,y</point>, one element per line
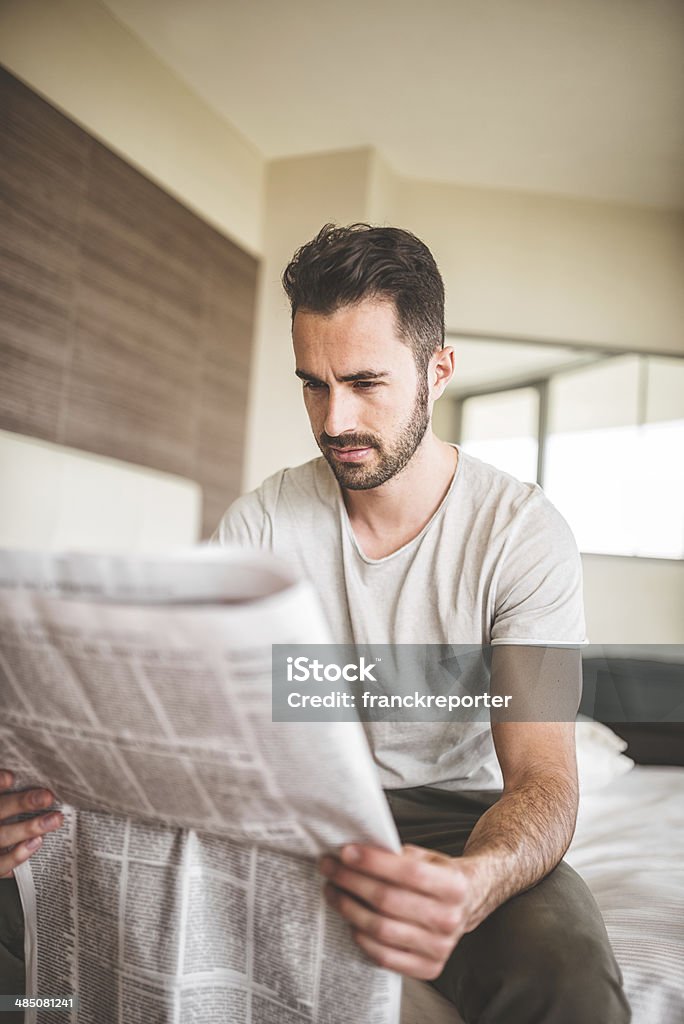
<point>42,176</point>
<point>127,321</point>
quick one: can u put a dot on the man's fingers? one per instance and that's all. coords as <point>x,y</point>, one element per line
<point>409,964</point>
<point>10,835</point>
<point>26,802</point>
<point>417,851</point>
<point>11,859</point>
<point>392,901</point>
<point>388,930</point>
<point>19,839</point>
<point>421,853</point>
<point>441,880</point>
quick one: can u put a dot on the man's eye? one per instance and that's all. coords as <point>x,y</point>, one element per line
<point>313,385</point>
<point>365,385</point>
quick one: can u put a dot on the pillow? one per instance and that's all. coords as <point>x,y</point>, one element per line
<point>600,757</point>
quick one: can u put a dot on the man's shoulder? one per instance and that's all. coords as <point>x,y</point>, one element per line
<point>502,504</point>
<point>536,570</point>
<point>292,492</point>
<point>311,482</point>
<point>486,485</point>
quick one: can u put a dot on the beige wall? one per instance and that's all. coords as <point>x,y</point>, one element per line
<point>301,195</point>
<point>81,59</point>
<point>633,600</point>
<point>562,269</point>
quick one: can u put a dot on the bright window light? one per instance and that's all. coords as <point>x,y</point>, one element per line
<point>502,429</point>
<point>621,489</point>
<point>614,460</point>
<point>613,449</point>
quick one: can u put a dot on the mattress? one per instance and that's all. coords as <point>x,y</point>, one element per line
<point>629,848</point>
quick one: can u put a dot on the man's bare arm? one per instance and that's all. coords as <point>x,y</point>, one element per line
<point>524,835</point>
<point>409,910</point>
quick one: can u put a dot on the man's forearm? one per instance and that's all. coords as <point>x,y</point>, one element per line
<point>519,840</point>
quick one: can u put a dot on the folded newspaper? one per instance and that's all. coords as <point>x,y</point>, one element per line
<point>183,885</point>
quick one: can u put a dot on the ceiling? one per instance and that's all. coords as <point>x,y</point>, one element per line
<point>572,97</point>
<point>487,363</point>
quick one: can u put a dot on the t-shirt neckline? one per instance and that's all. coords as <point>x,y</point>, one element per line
<point>409,543</point>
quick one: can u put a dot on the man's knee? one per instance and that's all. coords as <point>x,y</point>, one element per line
<point>542,958</point>
<point>568,980</point>
<point>558,982</point>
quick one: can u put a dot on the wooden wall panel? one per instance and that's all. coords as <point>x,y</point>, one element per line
<point>42,179</point>
<point>129,320</point>
<point>138,321</point>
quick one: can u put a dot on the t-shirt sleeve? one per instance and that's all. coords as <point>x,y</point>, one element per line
<point>245,524</point>
<point>539,588</point>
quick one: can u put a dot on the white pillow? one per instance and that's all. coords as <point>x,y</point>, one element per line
<point>599,755</point>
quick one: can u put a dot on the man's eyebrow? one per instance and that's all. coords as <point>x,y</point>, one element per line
<point>347,377</point>
<point>303,375</point>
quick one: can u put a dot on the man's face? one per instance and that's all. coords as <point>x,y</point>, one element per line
<point>368,406</point>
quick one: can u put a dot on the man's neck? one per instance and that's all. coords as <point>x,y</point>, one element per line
<point>385,518</point>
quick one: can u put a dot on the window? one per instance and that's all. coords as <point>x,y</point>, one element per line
<point>614,455</point>
<point>604,435</point>
<point>503,429</point>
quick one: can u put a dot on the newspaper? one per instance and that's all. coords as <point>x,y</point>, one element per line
<point>183,886</point>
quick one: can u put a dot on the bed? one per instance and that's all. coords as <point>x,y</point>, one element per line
<point>629,847</point>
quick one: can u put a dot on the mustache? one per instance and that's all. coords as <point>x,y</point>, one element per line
<point>348,441</point>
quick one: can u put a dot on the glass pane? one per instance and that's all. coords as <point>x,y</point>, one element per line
<point>602,395</point>
<point>502,429</point>
<point>659,493</point>
<point>590,477</point>
<point>619,484</point>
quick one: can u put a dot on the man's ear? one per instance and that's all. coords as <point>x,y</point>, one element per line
<point>440,371</point>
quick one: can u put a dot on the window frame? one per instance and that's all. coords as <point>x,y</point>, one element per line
<point>587,355</point>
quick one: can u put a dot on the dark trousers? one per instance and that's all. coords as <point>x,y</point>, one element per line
<point>541,958</point>
<point>11,947</point>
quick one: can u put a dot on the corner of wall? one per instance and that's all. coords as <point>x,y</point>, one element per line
<point>81,59</point>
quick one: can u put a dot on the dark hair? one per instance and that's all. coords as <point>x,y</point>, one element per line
<point>342,266</point>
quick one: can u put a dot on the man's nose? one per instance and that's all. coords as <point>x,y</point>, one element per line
<point>340,415</point>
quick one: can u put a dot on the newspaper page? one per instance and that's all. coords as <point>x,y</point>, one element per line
<point>183,885</point>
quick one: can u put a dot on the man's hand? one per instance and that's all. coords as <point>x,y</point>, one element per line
<point>407,910</point>
<point>18,840</point>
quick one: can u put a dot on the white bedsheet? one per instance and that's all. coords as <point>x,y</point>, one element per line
<point>629,847</point>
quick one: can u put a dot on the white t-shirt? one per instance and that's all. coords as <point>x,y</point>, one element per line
<point>496,564</point>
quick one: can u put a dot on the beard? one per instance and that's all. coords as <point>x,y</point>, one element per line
<point>392,456</point>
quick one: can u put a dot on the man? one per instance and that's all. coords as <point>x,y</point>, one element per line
<point>409,540</point>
